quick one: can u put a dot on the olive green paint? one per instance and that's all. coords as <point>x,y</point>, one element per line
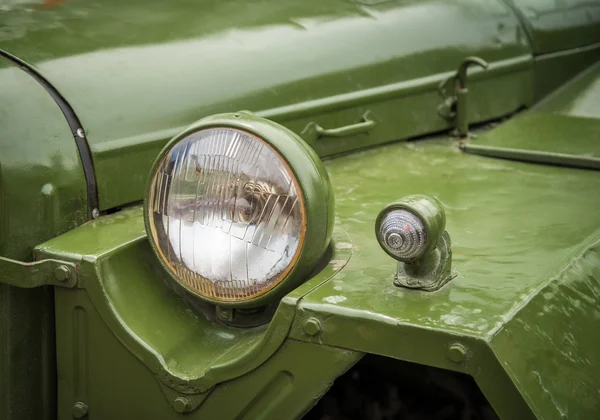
<point>315,187</point>
<point>42,194</point>
<point>556,26</point>
<point>37,274</point>
<point>100,372</point>
<point>548,347</point>
<point>185,350</point>
<point>506,246</point>
<point>580,98</point>
<point>139,72</point>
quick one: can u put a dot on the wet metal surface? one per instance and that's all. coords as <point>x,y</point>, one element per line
<point>512,227</point>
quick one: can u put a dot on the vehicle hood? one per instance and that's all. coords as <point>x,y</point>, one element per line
<point>137,72</point>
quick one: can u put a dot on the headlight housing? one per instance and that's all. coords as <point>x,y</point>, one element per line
<point>238,209</point>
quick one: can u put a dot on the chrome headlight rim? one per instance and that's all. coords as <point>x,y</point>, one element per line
<point>314,192</point>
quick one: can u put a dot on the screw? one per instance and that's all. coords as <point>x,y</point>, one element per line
<point>80,410</point>
<point>312,326</point>
<point>95,213</point>
<point>62,273</point>
<point>225,314</point>
<point>457,353</point>
<point>181,404</point>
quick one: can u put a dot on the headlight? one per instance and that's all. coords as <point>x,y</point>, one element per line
<point>239,209</point>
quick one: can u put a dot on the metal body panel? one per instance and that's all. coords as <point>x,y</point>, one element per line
<point>136,79</point>
<point>554,26</point>
<point>188,353</point>
<point>508,242</point>
<point>42,194</point>
<point>549,347</point>
<point>580,98</point>
<point>507,248</point>
<point>95,369</point>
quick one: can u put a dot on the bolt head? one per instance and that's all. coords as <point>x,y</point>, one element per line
<point>181,404</point>
<point>457,353</point>
<point>80,410</point>
<point>312,326</point>
<point>62,273</point>
<point>95,213</point>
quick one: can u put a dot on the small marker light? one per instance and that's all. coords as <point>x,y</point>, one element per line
<point>412,231</point>
<point>402,235</point>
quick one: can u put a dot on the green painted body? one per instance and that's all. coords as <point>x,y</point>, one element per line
<point>115,341</point>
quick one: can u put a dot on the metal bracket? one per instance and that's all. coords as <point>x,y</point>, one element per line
<point>38,273</point>
<point>429,273</point>
<point>453,92</point>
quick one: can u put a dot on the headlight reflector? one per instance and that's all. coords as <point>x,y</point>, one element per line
<point>226,212</point>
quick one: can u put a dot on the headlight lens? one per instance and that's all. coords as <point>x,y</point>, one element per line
<point>227,214</point>
<point>239,209</point>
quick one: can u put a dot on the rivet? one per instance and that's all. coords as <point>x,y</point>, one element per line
<point>312,326</point>
<point>457,353</point>
<point>80,410</point>
<point>62,273</point>
<point>181,404</point>
<point>80,133</point>
<point>95,213</point>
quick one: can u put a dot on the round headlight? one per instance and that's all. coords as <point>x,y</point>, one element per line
<point>410,228</point>
<point>239,209</point>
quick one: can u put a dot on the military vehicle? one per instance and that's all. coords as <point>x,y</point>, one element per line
<point>337,209</point>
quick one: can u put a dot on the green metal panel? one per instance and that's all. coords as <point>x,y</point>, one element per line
<point>581,98</point>
<point>512,228</point>
<point>543,132</point>
<point>130,292</point>
<point>554,69</point>
<point>42,194</point>
<point>563,129</point>
<point>140,71</point>
<point>98,371</point>
<point>507,248</point>
<point>559,25</point>
<point>550,348</point>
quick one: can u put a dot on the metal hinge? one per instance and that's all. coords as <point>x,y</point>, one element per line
<point>39,273</point>
<point>453,92</point>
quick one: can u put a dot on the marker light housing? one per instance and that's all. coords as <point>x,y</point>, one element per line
<point>410,228</point>
<point>412,231</point>
<point>239,210</point>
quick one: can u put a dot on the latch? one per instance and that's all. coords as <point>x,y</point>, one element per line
<point>454,92</point>
<point>39,273</point>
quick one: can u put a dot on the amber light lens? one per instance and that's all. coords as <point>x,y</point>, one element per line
<point>226,214</point>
